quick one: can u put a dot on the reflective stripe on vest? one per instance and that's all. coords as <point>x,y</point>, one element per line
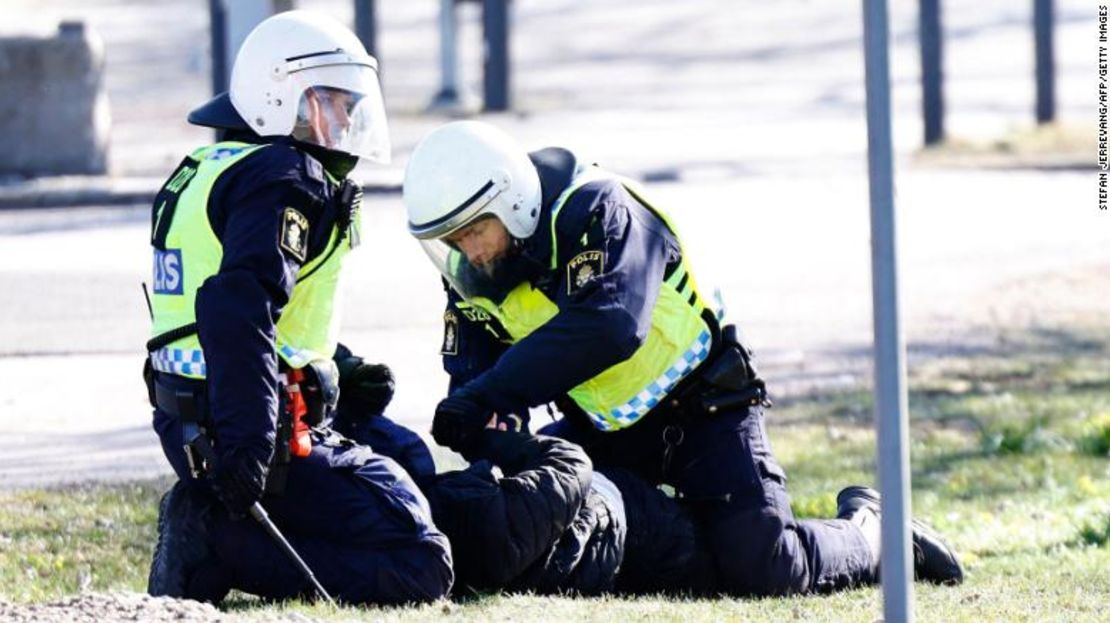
<point>677,342</point>
<point>308,327</point>
<point>180,361</point>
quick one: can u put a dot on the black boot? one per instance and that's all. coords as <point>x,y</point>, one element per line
<point>865,516</point>
<point>933,560</point>
<point>184,564</point>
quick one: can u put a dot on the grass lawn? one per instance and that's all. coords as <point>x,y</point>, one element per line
<point>1011,461</point>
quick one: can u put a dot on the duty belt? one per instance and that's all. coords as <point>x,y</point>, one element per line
<point>187,400</point>
<point>727,380</point>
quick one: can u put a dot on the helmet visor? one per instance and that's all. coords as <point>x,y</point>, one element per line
<point>492,281</point>
<point>340,108</point>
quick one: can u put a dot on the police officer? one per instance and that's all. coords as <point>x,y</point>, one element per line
<point>566,284</point>
<point>249,237</point>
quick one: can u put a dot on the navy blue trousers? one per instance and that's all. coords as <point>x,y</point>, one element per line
<point>355,516</point>
<point>724,471</point>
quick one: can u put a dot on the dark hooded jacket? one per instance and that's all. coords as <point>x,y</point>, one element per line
<point>526,515</point>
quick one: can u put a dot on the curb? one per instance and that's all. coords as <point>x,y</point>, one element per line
<point>54,192</point>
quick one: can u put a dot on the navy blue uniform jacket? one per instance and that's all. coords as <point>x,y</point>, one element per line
<point>238,307</point>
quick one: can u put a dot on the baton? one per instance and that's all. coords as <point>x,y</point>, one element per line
<point>260,515</point>
<point>197,443</point>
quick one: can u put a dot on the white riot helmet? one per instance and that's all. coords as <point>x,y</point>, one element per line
<point>305,75</point>
<point>467,169</point>
<point>461,172</point>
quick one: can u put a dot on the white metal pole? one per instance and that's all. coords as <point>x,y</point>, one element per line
<point>449,91</point>
<point>890,372</point>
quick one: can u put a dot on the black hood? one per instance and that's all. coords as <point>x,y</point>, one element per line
<point>556,167</point>
<point>219,113</point>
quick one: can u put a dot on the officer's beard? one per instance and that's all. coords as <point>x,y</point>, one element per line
<point>492,269</point>
<point>505,271</point>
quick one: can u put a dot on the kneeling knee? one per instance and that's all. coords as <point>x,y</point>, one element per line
<point>760,555</point>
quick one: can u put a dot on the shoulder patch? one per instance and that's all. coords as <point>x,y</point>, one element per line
<point>450,334</point>
<point>582,268</point>
<point>294,233</point>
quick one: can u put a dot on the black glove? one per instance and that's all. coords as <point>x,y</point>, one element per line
<point>240,478</point>
<point>509,450</point>
<point>365,388</point>
<point>458,420</point>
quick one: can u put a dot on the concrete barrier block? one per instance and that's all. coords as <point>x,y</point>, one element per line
<point>54,114</point>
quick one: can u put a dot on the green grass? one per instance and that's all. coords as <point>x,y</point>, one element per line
<point>1010,462</point>
<point>58,541</point>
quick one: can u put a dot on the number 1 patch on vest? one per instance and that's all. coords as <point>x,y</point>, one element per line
<point>582,268</point>
<point>294,233</point>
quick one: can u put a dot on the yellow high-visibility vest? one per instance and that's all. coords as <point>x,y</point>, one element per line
<point>309,324</point>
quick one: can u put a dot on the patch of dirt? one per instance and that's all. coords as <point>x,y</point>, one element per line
<point>119,606</point>
<point>1048,147</point>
